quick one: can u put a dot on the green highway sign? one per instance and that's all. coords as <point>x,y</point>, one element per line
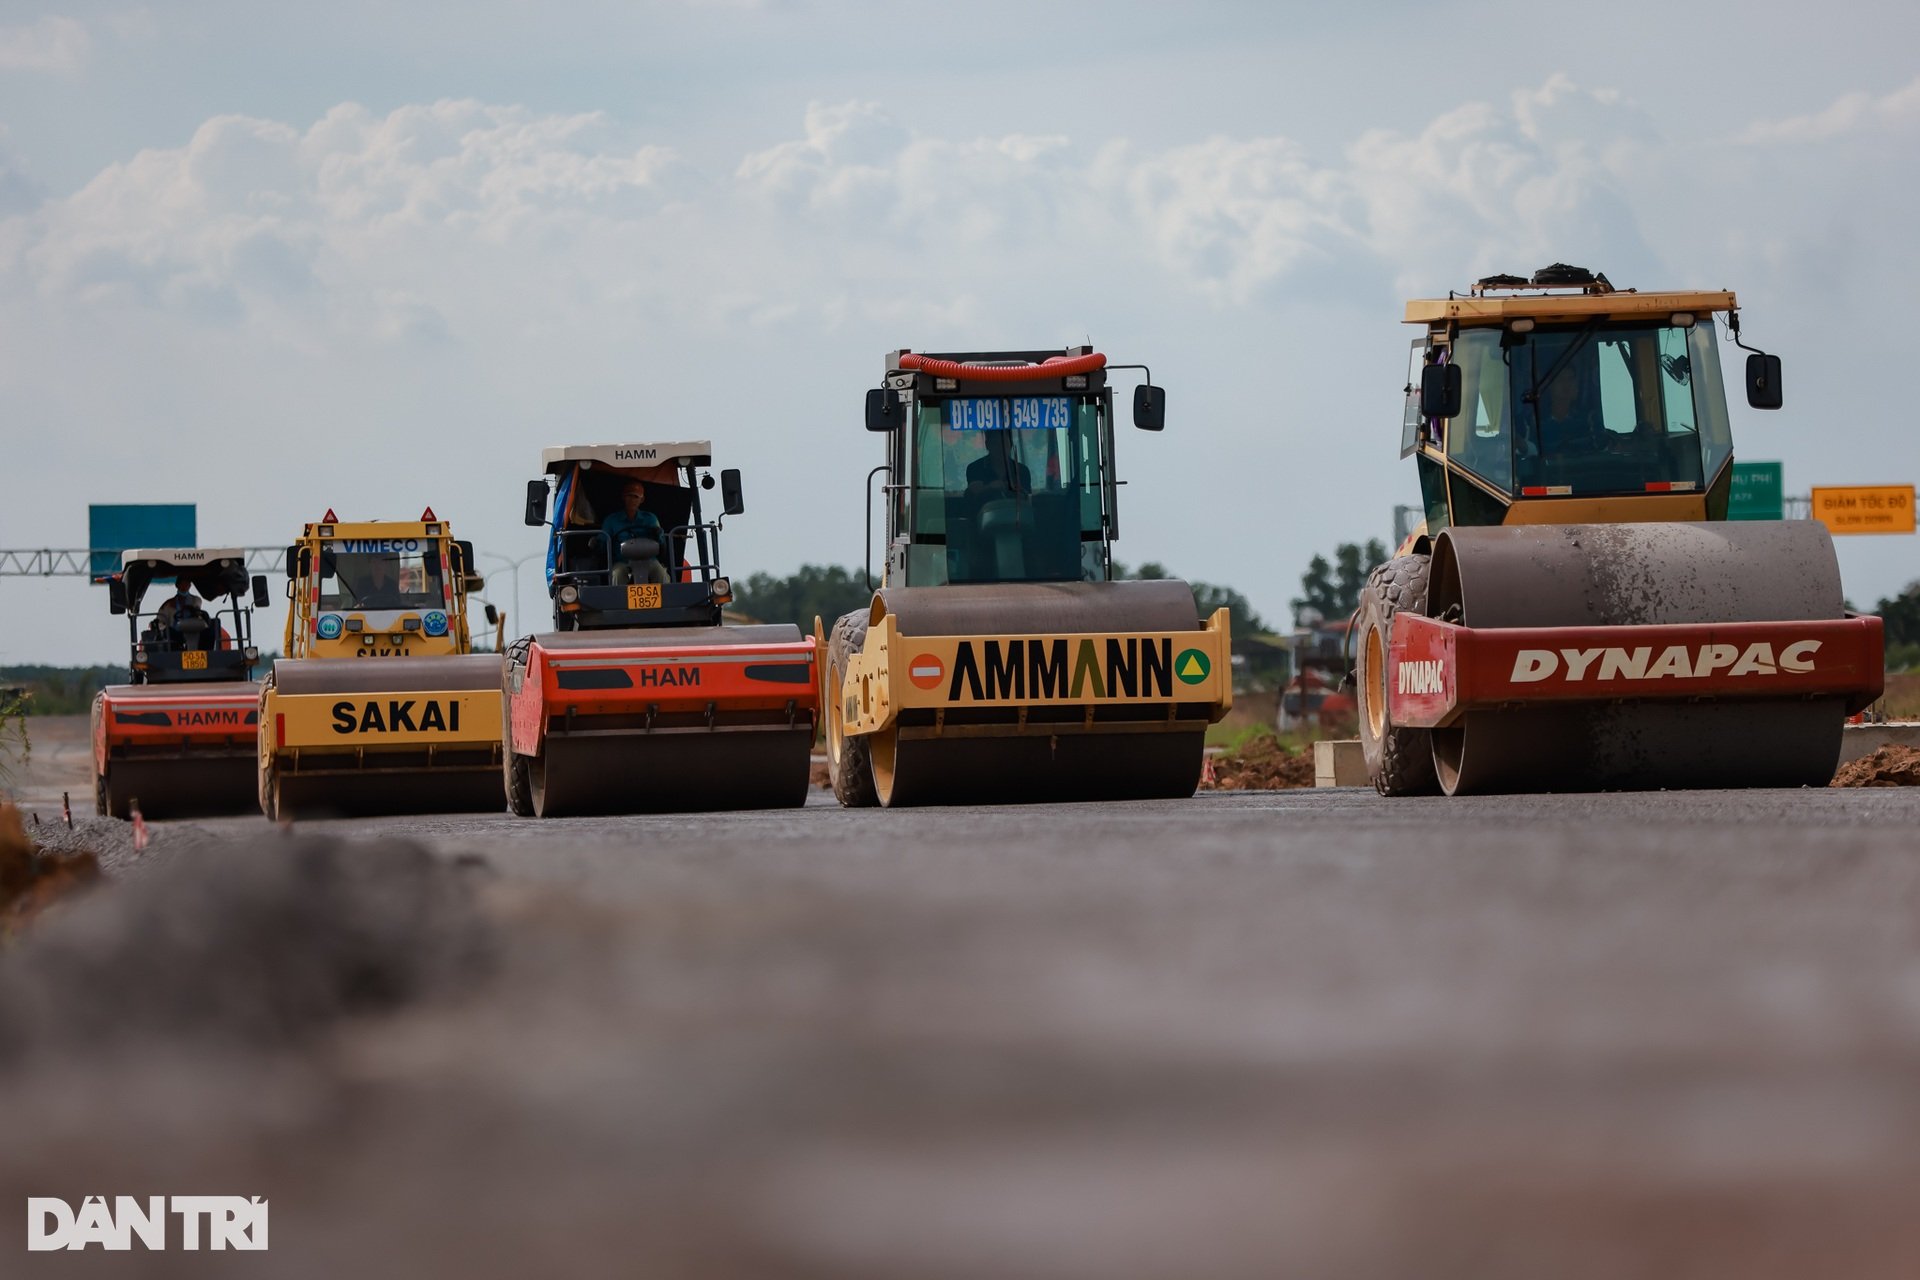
<point>1759,492</point>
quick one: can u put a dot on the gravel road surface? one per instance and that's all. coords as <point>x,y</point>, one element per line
<point>1252,1034</point>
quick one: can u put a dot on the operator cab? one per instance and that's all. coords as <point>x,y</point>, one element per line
<point>1003,470</point>
<point>605,565</point>
<point>201,627</point>
<point>1562,387</point>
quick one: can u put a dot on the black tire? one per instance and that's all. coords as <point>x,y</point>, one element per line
<point>270,794</point>
<point>100,794</point>
<point>849,763</point>
<point>1399,761</point>
<point>519,788</point>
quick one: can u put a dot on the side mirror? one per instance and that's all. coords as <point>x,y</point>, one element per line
<point>117,596</point>
<point>883,409</point>
<point>493,615</point>
<point>1440,391</point>
<point>1150,408</point>
<point>462,556</point>
<point>293,562</point>
<point>260,597</point>
<point>328,566</point>
<point>536,502</point>
<point>730,500</point>
<point>1763,381</point>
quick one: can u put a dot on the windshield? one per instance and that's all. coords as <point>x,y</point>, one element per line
<point>1585,410</point>
<point>1012,486</point>
<point>388,573</point>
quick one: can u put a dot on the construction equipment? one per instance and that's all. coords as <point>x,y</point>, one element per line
<point>179,739</point>
<point>381,704</point>
<point>999,661</point>
<point>1576,613</point>
<point>640,699</point>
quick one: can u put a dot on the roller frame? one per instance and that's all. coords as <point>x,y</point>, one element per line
<point>1467,668</point>
<point>877,689</point>
<point>722,695</point>
<point>171,733</point>
<point>301,740</point>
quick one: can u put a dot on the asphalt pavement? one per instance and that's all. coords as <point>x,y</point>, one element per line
<point>1308,1033</point>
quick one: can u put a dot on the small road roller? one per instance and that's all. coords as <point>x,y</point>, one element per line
<point>178,740</point>
<point>999,661</point>
<point>642,698</point>
<point>381,705</point>
<point>1577,613</point>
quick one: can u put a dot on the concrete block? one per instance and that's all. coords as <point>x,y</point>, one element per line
<point>1339,764</point>
<point>1864,739</point>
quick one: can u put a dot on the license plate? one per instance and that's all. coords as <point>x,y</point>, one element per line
<point>193,660</point>
<point>1010,413</point>
<point>643,595</point>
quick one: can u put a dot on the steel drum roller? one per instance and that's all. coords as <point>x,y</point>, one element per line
<point>1598,575</point>
<point>1144,759</point>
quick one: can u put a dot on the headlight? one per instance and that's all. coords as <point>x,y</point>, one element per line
<point>250,653</point>
<point>722,589</point>
<point>569,594</point>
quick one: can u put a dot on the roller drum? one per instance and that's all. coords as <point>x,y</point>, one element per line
<point>192,786</point>
<point>1638,575</point>
<point>1138,762</point>
<point>401,780</point>
<point>671,772</point>
<point>387,675</point>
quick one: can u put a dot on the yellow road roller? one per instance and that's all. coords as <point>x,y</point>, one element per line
<point>1577,613</point>
<point>999,661</point>
<point>381,705</point>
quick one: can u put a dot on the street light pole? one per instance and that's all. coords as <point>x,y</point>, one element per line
<point>515,566</point>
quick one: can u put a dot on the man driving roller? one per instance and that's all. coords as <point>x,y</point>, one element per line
<point>632,521</point>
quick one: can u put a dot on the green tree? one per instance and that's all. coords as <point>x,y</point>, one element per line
<point>1900,616</point>
<point>1208,596</point>
<point>1332,590</point>
<point>15,747</point>
<point>824,591</point>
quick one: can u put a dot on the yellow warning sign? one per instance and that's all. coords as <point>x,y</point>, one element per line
<point>1865,508</point>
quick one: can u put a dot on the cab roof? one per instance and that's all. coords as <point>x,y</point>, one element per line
<point>163,558</point>
<point>1551,306</point>
<point>691,453</point>
<point>213,571</point>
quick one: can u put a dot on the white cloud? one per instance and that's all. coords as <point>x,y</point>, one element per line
<point>51,44</point>
<point>447,286</point>
<point>1848,114</point>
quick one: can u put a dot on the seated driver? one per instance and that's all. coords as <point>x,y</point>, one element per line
<point>177,608</point>
<point>631,521</point>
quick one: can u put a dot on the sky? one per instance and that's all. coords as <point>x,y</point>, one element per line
<point>272,259</point>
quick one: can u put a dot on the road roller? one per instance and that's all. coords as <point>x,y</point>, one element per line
<point>999,661</point>
<point>178,739</point>
<point>642,698</point>
<point>381,705</point>
<point>1577,612</point>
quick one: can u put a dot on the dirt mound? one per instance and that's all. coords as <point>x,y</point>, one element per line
<point>258,944</point>
<point>32,879</point>
<point>1260,764</point>
<point>1888,767</point>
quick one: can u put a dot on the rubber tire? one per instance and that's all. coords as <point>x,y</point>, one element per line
<point>100,794</point>
<point>519,786</point>
<point>851,769</point>
<point>1399,761</point>
<point>269,796</point>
